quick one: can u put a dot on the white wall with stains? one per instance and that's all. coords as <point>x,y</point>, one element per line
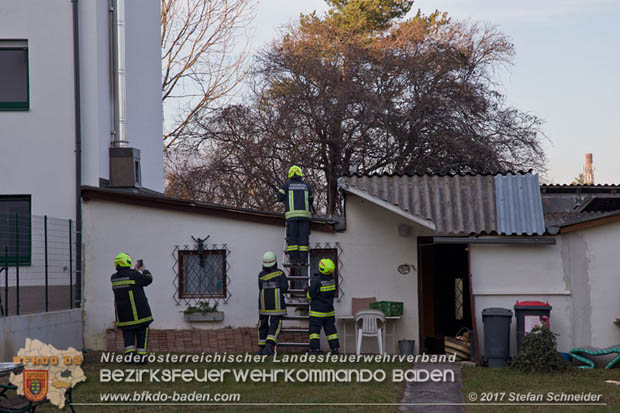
<point>372,250</point>
<point>579,277</point>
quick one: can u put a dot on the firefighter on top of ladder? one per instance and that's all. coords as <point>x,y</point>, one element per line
<point>272,285</point>
<point>321,293</point>
<point>133,313</point>
<point>297,197</point>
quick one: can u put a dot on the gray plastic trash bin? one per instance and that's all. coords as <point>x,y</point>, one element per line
<point>496,335</point>
<point>406,347</point>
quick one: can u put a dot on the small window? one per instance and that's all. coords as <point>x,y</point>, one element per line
<point>202,275</point>
<point>15,230</point>
<point>14,82</point>
<point>458,298</point>
<point>317,254</point>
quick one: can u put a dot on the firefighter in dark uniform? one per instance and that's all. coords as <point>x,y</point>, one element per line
<point>297,197</point>
<point>133,314</point>
<point>272,285</point>
<point>321,294</point>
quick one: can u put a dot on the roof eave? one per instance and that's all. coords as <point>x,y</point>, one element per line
<point>183,205</point>
<point>590,222</point>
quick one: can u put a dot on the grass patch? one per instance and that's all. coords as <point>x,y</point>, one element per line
<point>278,392</point>
<point>479,379</point>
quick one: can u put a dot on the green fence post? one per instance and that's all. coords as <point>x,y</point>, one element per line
<point>70,266</point>
<point>46,266</point>
<point>17,259</point>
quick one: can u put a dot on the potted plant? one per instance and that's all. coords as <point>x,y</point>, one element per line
<point>203,312</point>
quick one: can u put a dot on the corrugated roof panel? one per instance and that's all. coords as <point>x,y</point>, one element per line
<point>519,205</point>
<point>463,204</point>
<point>459,204</point>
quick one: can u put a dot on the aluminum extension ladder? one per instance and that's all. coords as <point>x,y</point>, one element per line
<point>298,277</point>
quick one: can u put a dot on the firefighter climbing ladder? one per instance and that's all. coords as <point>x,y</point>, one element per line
<point>297,304</point>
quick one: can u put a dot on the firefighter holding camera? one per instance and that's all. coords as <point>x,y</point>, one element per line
<point>133,313</point>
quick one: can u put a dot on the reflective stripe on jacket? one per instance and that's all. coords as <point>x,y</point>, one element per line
<point>321,294</point>
<point>272,285</point>
<point>297,197</point>
<point>130,303</point>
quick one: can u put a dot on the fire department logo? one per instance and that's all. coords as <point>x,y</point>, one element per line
<point>36,384</point>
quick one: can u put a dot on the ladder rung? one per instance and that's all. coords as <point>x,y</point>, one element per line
<point>297,277</point>
<point>296,291</point>
<point>297,304</point>
<point>294,344</point>
<point>288,265</point>
<point>295,330</point>
<point>296,317</point>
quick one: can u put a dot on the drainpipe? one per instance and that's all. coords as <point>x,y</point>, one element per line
<point>78,156</point>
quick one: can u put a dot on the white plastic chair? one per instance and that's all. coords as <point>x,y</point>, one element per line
<point>370,323</point>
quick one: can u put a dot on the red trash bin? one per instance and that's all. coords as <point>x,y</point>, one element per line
<point>530,314</point>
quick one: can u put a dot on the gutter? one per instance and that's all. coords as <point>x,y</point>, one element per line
<point>495,241</point>
<point>78,155</point>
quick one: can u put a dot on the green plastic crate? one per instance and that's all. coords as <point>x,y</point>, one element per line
<point>389,308</point>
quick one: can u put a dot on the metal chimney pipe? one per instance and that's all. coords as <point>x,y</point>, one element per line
<point>117,29</point>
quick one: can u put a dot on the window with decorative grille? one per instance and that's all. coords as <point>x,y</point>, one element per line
<point>202,275</point>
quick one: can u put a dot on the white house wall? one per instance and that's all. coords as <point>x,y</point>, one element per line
<point>602,270</point>
<point>38,145</point>
<point>503,274</point>
<point>151,234</point>
<point>94,90</point>
<point>144,106</point>
<point>372,251</point>
<point>578,277</point>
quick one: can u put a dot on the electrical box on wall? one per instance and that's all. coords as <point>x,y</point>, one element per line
<point>125,168</point>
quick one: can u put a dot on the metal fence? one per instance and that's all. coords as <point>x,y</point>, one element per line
<point>37,263</point>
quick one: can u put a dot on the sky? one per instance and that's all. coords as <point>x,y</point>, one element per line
<point>566,69</point>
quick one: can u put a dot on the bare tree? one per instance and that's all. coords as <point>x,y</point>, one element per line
<point>417,97</point>
<point>205,45</point>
